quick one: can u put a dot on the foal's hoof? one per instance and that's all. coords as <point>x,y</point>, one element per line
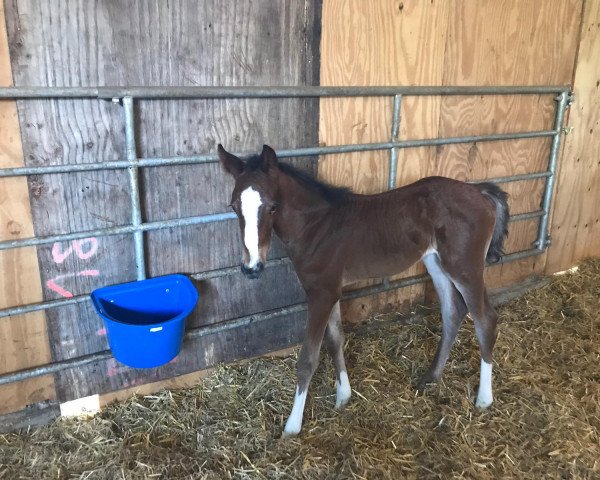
<point>483,403</point>
<point>289,433</point>
<point>426,381</point>
<point>341,402</point>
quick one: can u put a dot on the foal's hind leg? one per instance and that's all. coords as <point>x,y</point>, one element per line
<point>334,338</point>
<point>485,320</point>
<point>453,312</point>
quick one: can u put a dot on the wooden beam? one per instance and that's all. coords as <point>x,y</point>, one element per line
<point>23,339</point>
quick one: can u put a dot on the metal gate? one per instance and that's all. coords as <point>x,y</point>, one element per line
<point>127,96</point>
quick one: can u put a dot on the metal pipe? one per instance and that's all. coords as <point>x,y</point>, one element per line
<point>245,321</point>
<point>513,178</point>
<point>125,229</point>
<point>385,286</point>
<point>224,272</point>
<point>190,334</point>
<point>543,232</point>
<point>287,153</point>
<point>54,367</point>
<point>228,325</point>
<point>133,163</point>
<point>134,188</point>
<point>36,307</point>
<point>518,217</point>
<point>268,91</point>
<point>511,257</point>
<point>395,132</point>
<point>183,222</point>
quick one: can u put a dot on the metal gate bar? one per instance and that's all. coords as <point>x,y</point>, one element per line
<point>289,153</point>
<point>543,234</point>
<point>108,93</point>
<point>134,188</point>
<point>126,97</point>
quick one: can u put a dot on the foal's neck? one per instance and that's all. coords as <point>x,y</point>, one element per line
<point>298,206</point>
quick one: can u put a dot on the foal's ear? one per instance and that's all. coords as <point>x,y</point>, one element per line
<point>269,158</point>
<point>232,164</point>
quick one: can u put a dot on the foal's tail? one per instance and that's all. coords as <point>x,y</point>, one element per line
<point>499,199</point>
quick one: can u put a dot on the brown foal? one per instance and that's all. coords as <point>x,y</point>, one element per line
<point>334,237</point>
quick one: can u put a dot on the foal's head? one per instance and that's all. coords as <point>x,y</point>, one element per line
<point>254,200</point>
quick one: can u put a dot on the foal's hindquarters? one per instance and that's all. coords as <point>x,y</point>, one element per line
<point>453,247</point>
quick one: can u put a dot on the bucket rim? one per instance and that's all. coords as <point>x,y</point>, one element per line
<point>186,283</point>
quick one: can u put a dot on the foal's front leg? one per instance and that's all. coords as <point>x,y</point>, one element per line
<point>320,305</point>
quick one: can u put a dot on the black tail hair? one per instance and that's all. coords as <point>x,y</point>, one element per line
<point>499,198</point>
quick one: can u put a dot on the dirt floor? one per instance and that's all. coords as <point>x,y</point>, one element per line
<point>544,423</point>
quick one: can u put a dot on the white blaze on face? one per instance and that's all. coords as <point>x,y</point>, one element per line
<point>251,202</point>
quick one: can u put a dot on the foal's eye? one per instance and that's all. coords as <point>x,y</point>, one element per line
<point>273,209</point>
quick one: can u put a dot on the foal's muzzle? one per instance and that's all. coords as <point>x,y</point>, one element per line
<point>253,272</point>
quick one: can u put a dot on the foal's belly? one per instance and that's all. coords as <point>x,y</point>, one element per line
<point>376,266</point>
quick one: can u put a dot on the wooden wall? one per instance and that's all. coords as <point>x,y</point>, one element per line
<point>175,43</point>
<point>446,43</point>
<point>334,42</point>
<point>576,221</point>
<point>23,339</point>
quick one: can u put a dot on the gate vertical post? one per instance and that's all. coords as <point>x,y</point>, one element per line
<point>543,239</point>
<point>134,187</point>
<point>395,134</point>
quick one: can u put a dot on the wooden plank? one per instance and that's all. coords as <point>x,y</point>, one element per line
<point>23,339</point>
<point>576,223</point>
<point>401,43</point>
<point>126,43</point>
<point>450,43</point>
<point>196,354</point>
<point>507,43</point>
<point>182,381</point>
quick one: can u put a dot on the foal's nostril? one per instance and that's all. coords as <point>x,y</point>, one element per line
<point>253,272</point>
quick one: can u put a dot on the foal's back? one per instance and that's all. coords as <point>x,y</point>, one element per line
<point>393,230</point>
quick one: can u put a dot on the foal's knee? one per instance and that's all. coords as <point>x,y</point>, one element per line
<point>307,364</point>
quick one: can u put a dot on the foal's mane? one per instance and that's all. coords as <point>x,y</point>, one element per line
<point>332,194</point>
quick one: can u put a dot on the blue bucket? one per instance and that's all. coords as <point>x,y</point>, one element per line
<point>145,320</point>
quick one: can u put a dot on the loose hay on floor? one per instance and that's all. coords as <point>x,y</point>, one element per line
<point>544,423</point>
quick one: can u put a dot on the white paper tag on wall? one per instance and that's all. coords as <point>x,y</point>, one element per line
<point>81,406</point>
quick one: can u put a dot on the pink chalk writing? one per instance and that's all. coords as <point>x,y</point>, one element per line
<point>133,383</point>
<point>113,368</point>
<point>63,292</point>
<point>84,249</point>
<point>101,331</point>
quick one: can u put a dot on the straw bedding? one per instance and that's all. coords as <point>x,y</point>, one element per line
<point>545,421</point>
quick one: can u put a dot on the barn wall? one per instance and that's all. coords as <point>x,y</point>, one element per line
<point>446,43</point>
<point>387,42</point>
<point>76,43</point>
<point>23,339</point>
<point>576,226</point>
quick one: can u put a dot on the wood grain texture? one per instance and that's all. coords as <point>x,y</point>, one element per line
<point>23,339</point>
<point>149,43</point>
<point>451,43</point>
<point>576,221</point>
<point>197,354</point>
<point>508,43</point>
<point>378,43</point>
